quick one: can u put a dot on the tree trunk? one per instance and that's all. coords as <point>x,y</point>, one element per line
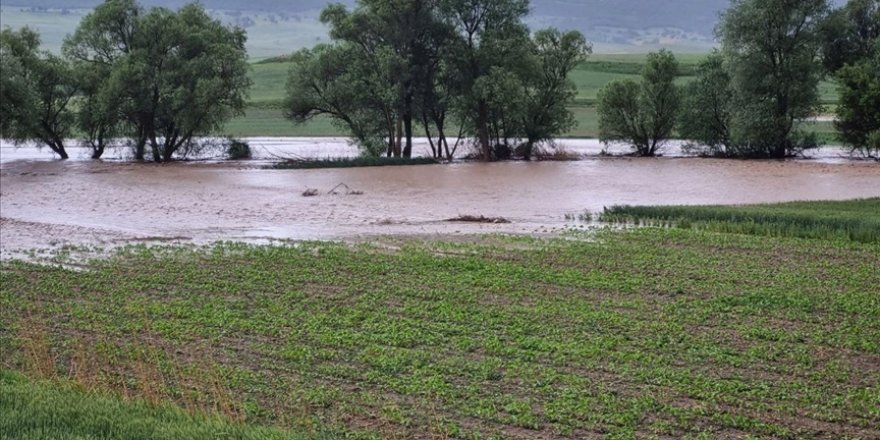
<point>435,152</point>
<point>60,151</point>
<point>397,145</point>
<point>154,145</point>
<point>483,130</point>
<point>98,151</point>
<point>407,127</point>
<point>140,148</point>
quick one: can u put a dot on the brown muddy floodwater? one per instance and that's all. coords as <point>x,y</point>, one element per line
<point>45,203</point>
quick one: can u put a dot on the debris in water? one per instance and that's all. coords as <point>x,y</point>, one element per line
<point>480,219</point>
<point>311,192</point>
<point>348,190</point>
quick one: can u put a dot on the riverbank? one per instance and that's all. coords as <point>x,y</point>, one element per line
<point>648,332</point>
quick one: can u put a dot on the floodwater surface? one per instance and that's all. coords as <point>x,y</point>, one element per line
<point>45,203</point>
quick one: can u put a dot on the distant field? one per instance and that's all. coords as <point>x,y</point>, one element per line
<point>264,116</point>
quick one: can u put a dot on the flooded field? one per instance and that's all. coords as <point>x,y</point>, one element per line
<point>46,203</point>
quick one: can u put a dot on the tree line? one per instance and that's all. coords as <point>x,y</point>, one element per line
<point>752,96</point>
<point>159,80</point>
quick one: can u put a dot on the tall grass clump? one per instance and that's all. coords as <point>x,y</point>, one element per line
<point>855,220</point>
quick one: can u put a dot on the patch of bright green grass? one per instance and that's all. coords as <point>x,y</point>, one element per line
<point>857,220</point>
<point>648,332</point>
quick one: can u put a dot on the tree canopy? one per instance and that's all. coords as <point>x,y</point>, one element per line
<point>162,77</point>
<point>642,114</point>
<point>772,50</point>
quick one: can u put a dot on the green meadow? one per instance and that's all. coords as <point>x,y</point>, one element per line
<point>654,332</point>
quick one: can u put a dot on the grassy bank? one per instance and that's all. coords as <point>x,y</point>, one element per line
<point>265,116</point>
<point>643,333</point>
<point>857,220</point>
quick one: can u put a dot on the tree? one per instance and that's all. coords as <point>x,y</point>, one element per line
<point>166,77</point>
<point>707,107</point>
<point>491,35</point>
<point>188,76</point>
<point>98,118</point>
<point>772,50</point>
<point>848,34</point>
<point>16,94</point>
<point>395,64</point>
<point>41,88</point>
<point>550,90</point>
<point>858,110</point>
<point>336,81</point>
<point>98,48</point>
<point>642,115</point>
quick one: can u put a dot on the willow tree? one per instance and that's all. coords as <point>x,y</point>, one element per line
<point>643,114</point>
<point>772,48</point>
<point>168,77</point>
<point>38,91</point>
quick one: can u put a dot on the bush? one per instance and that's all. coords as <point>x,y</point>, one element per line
<point>237,150</point>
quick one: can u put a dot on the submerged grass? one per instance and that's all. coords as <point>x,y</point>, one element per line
<point>351,162</point>
<point>645,333</point>
<point>857,220</point>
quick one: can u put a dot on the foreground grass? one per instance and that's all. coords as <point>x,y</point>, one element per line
<point>857,220</point>
<point>47,410</point>
<point>646,333</point>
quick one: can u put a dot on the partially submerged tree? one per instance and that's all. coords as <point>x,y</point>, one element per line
<point>40,88</point>
<point>162,77</point>
<point>98,48</point>
<point>772,49</point>
<point>707,108</point>
<point>188,76</point>
<point>858,110</point>
<point>642,115</point>
<point>331,81</point>
<point>549,90</point>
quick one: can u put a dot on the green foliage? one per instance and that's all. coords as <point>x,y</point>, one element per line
<point>849,33</point>
<point>642,115</point>
<point>707,107</point>
<point>849,220</point>
<point>858,113</point>
<point>470,64</point>
<point>40,89</point>
<point>771,48</point>
<point>170,76</point>
<point>606,334</point>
